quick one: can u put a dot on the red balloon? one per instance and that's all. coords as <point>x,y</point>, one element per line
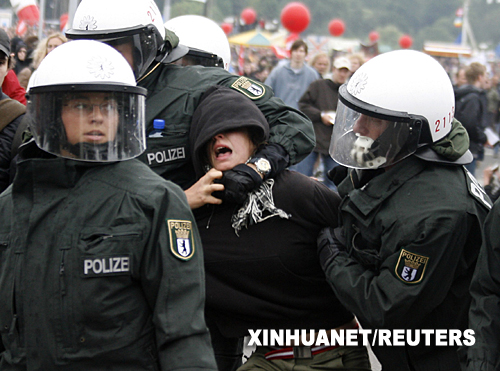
<point>295,17</point>
<point>336,27</point>
<point>405,41</point>
<point>373,36</point>
<point>227,28</point>
<point>248,15</point>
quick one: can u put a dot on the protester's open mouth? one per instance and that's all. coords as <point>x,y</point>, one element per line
<point>222,150</point>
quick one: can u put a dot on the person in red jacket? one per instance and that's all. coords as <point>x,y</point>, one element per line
<point>12,88</point>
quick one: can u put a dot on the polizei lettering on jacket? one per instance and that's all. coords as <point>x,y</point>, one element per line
<point>106,266</point>
<point>166,155</point>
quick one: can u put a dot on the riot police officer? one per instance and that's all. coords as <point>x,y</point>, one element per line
<point>100,257</point>
<point>411,215</point>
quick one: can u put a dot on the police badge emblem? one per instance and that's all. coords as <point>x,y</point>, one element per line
<point>181,238</point>
<point>411,267</point>
<point>250,88</point>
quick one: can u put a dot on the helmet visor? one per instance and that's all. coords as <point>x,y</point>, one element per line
<point>139,45</point>
<point>361,141</point>
<point>100,126</point>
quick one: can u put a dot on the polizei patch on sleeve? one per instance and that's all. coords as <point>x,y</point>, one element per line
<point>411,267</point>
<point>250,88</point>
<point>181,238</point>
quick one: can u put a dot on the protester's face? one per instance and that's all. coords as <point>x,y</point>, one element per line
<point>371,127</point>
<point>486,83</point>
<point>90,118</point>
<point>461,79</point>
<point>321,65</point>
<point>247,68</point>
<point>298,55</point>
<point>226,150</point>
<point>354,65</point>
<point>340,75</point>
<point>53,43</point>
<point>4,62</point>
<point>21,54</point>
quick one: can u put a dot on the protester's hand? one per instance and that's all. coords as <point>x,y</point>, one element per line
<point>329,245</point>
<point>327,118</point>
<point>200,193</point>
<point>238,182</point>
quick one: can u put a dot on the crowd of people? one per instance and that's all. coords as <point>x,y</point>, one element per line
<point>130,245</point>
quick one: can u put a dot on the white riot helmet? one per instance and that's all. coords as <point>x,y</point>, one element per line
<point>405,97</point>
<point>206,40</point>
<point>84,104</point>
<point>137,23</point>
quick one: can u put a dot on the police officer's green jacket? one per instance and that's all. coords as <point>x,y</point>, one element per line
<point>413,235</point>
<point>101,269</point>
<point>484,315</point>
<point>173,95</point>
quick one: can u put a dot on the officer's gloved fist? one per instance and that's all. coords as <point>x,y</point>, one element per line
<point>238,182</point>
<point>330,243</point>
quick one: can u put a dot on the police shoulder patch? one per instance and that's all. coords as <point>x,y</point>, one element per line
<point>476,190</point>
<point>252,89</point>
<point>181,238</point>
<point>411,267</point>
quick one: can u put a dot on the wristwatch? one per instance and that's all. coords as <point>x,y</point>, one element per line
<point>263,166</point>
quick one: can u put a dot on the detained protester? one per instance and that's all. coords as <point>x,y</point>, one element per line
<point>411,215</point>
<point>260,256</point>
<point>135,28</point>
<point>100,257</point>
<point>485,307</point>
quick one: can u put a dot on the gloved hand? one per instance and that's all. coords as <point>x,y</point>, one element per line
<point>338,174</point>
<point>277,157</point>
<point>238,181</point>
<point>330,243</point>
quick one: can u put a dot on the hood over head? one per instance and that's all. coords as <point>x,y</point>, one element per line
<point>222,109</point>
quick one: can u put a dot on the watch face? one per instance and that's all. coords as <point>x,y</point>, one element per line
<point>263,165</point>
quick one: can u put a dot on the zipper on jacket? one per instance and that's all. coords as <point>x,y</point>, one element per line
<point>15,334</point>
<point>13,325</point>
<point>62,279</point>
<point>211,215</point>
<point>95,239</point>
<point>65,315</point>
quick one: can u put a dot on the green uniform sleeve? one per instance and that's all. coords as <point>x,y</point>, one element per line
<point>288,126</point>
<point>485,307</point>
<point>414,277</point>
<point>174,282</point>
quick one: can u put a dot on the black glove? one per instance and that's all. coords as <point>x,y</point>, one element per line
<point>237,182</point>
<point>330,243</point>
<point>338,174</point>
<point>277,157</point>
